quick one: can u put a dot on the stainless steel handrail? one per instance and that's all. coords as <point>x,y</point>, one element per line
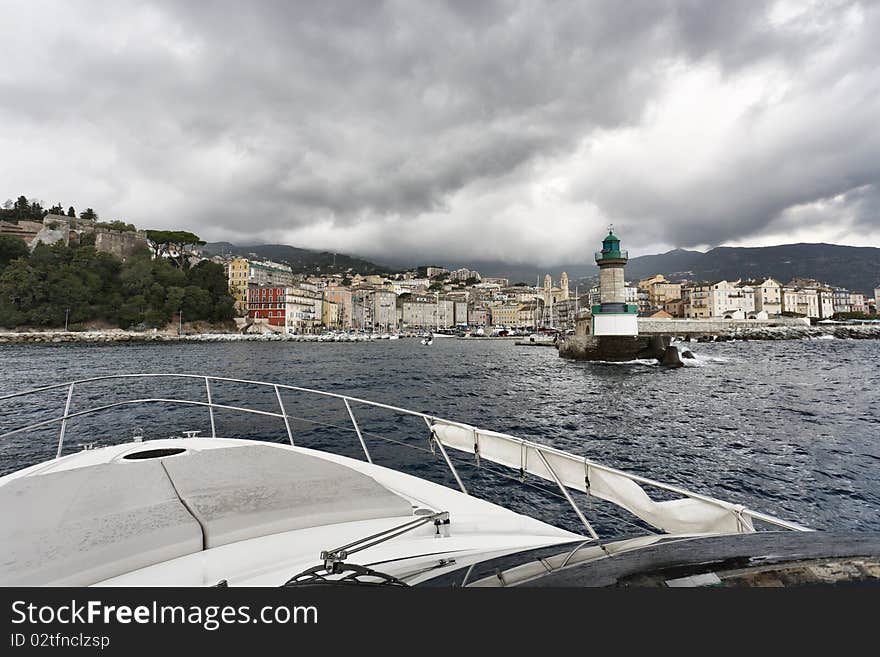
<point>347,401</point>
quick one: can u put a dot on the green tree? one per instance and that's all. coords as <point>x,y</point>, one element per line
<point>197,303</point>
<point>19,289</point>
<point>11,248</point>
<point>36,289</point>
<point>175,245</point>
<point>71,212</point>
<point>88,215</point>
<point>117,225</point>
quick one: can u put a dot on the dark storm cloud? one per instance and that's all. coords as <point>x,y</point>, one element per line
<point>369,125</point>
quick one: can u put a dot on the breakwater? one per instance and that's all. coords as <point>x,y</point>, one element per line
<point>854,332</point>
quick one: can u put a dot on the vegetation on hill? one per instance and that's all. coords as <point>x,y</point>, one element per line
<point>302,261</point>
<point>22,210</point>
<point>39,289</point>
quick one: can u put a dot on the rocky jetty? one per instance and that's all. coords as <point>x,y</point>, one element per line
<point>853,332</point>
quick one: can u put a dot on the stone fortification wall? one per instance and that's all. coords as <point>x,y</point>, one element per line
<point>120,243</point>
<point>56,228</point>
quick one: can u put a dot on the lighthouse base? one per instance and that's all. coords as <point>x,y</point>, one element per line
<point>613,348</point>
<point>615,324</point>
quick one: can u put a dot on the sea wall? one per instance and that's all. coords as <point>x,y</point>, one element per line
<point>648,325</point>
<point>855,332</point>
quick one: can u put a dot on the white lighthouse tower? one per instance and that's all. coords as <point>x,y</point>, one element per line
<point>612,315</point>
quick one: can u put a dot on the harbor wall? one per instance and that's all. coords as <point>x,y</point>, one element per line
<point>650,326</point>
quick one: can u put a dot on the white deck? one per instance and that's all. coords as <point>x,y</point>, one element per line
<point>248,512</point>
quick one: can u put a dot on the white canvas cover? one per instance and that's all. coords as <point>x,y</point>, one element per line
<point>680,516</point>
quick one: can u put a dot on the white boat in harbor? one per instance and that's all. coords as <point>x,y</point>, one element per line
<point>228,510</point>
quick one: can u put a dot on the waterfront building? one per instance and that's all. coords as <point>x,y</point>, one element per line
<point>657,291</point>
<point>857,302</point>
<point>565,312</point>
<point>613,315</point>
<point>631,294</point>
<point>675,308</point>
<point>419,312</point>
<point>243,273</point>
<point>768,297</point>
<point>331,314</point>
<point>341,296</point>
<point>526,314</point>
<point>877,299</point>
<point>445,313</point>
<point>478,315</point>
<point>460,311</point>
<point>362,308</point>
<point>643,302</point>
<point>505,314</point>
<point>267,303</point>
<point>303,310</point>
<point>292,308</point>
<point>695,298</point>
<point>237,276</point>
<point>826,302</point>
<point>385,309</point>
<point>801,301</point>
<point>731,300</point>
<point>841,300</point>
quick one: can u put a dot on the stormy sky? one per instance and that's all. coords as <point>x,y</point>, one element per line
<point>451,130</point>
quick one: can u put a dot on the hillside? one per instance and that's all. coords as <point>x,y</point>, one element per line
<point>301,260</point>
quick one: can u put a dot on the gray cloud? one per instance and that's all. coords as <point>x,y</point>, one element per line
<point>449,130</point>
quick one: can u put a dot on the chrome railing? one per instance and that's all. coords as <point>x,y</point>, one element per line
<point>545,469</point>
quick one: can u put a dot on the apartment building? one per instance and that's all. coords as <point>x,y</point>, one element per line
<point>768,297</point>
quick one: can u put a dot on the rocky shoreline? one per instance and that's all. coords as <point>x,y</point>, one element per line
<point>858,332</point>
<point>49,337</point>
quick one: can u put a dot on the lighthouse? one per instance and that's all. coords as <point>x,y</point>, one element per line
<point>613,315</point>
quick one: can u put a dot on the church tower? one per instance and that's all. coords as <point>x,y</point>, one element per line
<point>563,285</point>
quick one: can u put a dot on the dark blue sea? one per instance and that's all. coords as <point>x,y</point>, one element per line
<point>791,428</point>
